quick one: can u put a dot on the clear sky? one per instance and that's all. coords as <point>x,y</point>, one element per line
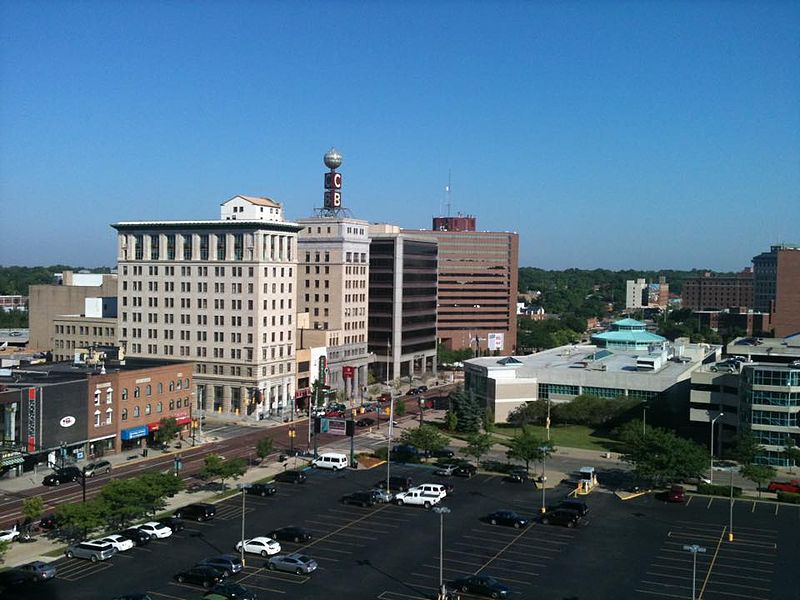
<point>608,134</point>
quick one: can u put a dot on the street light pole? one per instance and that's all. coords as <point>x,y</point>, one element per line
<point>694,549</point>
<point>547,428</point>
<point>543,450</point>
<point>644,419</point>
<point>730,516</point>
<point>442,510</point>
<point>243,487</point>
<point>714,420</point>
<point>389,443</point>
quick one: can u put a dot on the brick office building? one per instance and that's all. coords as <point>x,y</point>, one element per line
<point>478,274</point>
<point>777,287</point>
<point>716,292</point>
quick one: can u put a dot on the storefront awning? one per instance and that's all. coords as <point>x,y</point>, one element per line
<point>134,432</point>
<point>9,460</point>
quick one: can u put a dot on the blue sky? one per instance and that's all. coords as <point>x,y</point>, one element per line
<point>608,134</point>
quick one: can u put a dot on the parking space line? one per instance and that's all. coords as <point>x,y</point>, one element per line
<point>335,550</point>
<point>710,501</point>
<point>166,595</point>
<point>340,543</point>
<point>689,500</point>
<point>387,595</point>
<point>713,560</point>
<point>659,593</point>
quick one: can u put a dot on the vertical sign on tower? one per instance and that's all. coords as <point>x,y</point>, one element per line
<point>333,180</point>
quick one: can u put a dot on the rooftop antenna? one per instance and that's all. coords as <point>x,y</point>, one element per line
<point>447,189</point>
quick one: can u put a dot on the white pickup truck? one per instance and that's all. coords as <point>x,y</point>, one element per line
<point>434,489</point>
<point>417,498</point>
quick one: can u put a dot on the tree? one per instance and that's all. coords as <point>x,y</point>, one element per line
<point>488,420</point>
<point>478,445</point>
<point>527,447</point>
<point>155,487</point>
<point>534,413</point>
<point>746,448</point>
<point>216,467</point>
<point>167,428</point>
<point>264,447</point>
<point>399,408</point>
<point>425,437</point>
<point>592,411</point>
<point>661,456</point>
<point>792,452</point>
<point>4,545</point>
<point>32,508</point>
<point>82,517</point>
<point>124,500</point>
<point>468,413</point>
<point>450,421</point>
<point>758,474</point>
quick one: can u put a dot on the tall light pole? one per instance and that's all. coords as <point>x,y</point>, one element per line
<point>389,443</point>
<point>442,511</point>
<point>547,423</point>
<point>714,420</point>
<point>243,487</point>
<point>644,419</point>
<point>694,549</point>
<point>730,516</point>
<point>544,450</point>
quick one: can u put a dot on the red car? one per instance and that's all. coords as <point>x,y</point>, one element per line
<point>676,494</point>
<point>785,486</point>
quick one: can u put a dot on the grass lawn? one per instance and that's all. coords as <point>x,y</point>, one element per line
<point>570,436</point>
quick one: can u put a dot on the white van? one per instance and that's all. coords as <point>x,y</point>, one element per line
<point>330,460</point>
<point>436,489</point>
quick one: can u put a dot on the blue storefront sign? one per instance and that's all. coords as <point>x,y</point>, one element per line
<point>134,432</point>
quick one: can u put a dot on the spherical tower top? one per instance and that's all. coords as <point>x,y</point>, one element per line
<point>332,159</point>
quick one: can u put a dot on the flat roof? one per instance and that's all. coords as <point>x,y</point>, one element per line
<point>60,372</point>
<point>216,224</point>
<point>755,346</point>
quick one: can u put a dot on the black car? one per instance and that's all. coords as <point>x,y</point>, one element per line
<point>291,534</point>
<point>405,452</point>
<point>422,388</point>
<point>365,422</point>
<point>137,536</point>
<point>364,499</point>
<point>64,475</point>
<point>49,522</point>
<point>442,453</point>
<point>465,470</point>
<point>412,392</point>
<point>232,590</point>
<point>261,489</point>
<point>480,585</point>
<point>291,477</point>
<point>197,512</point>
<point>396,484</point>
<point>518,476</point>
<point>229,564</point>
<point>562,516</point>
<point>579,506</point>
<point>206,576</point>
<point>507,517</point>
<point>174,523</point>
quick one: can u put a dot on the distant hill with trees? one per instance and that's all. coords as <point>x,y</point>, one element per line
<point>15,280</point>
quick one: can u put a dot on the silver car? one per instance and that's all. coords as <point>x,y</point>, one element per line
<point>92,551</point>
<point>292,563</point>
<point>95,468</point>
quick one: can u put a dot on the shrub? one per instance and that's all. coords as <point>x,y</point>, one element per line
<point>789,497</point>
<point>718,490</point>
<point>381,453</point>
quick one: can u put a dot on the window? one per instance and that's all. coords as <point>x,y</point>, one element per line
<point>109,413</point>
<point>137,392</point>
<point>97,418</point>
<point>148,390</point>
<point>97,397</point>
<point>147,409</point>
<point>160,388</point>
<point>136,412</point>
<point>160,406</point>
<point>124,414</point>
<point>109,397</point>
<point>124,393</point>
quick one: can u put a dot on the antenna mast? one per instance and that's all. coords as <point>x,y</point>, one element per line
<point>447,193</point>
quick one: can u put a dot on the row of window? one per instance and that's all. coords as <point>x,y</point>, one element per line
<point>775,398</point>
<point>148,389</point>
<point>148,408</point>
<point>200,271</point>
<point>546,390</point>
<point>225,246</point>
<point>773,418</point>
<point>85,330</point>
<point>780,378</point>
<point>602,392</point>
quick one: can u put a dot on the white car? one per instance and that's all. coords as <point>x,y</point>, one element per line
<point>155,530</point>
<point>120,543</point>
<point>260,545</point>
<point>9,535</point>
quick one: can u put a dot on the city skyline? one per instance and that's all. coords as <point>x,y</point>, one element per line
<point>634,136</point>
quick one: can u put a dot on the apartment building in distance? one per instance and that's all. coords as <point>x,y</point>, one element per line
<point>402,303</point>
<point>66,297</point>
<point>777,287</point>
<point>718,292</point>
<point>333,282</point>
<point>218,293</point>
<point>639,294</point>
<point>95,326</point>
<point>13,302</point>
<point>478,273</point>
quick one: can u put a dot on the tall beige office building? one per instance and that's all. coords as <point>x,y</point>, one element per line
<point>333,283</point>
<point>220,293</point>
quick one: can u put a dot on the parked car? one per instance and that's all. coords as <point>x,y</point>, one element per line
<point>291,534</point>
<point>404,452</point>
<point>562,516</point>
<point>421,389</point>
<point>445,470</point>
<point>227,563</point>
<point>792,486</point>
<point>579,506</point>
<point>40,570</point>
<point>208,577</point>
<point>49,522</point>
<point>120,543</point>
<point>364,499</point>
<point>261,489</point>
<point>291,477</point>
<point>63,475</point>
<point>480,585</point>
<point>137,536</point>
<point>92,551</point>
<point>293,563</point>
<point>442,453</point>
<point>412,392</point>
<point>155,530</point>
<point>382,496</point>
<point>518,475</point>
<point>676,493</point>
<point>465,470</point>
<point>507,517</point>
<point>259,545</point>
<point>197,512</point>
<point>96,468</point>
<point>395,483</point>
<point>9,535</point>
<point>231,590</point>
<point>173,523</point>
<point>365,422</point>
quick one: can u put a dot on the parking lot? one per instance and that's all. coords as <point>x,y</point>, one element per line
<point>391,552</point>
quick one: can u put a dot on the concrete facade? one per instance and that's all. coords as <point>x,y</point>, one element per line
<point>333,288</point>
<point>478,279</point>
<point>220,293</point>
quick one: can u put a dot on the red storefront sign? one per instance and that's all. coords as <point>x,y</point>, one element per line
<point>347,372</point>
